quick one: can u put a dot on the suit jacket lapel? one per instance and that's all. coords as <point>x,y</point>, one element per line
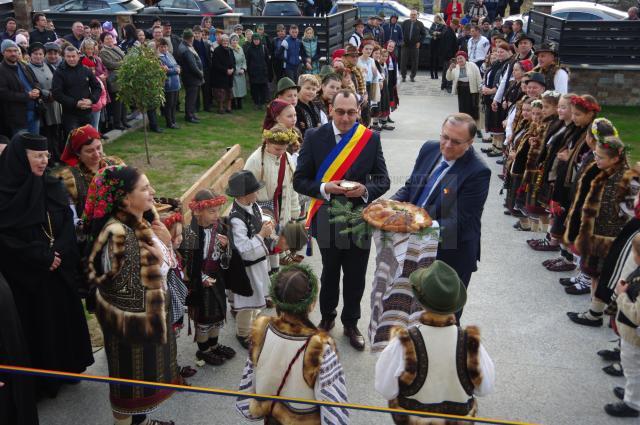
<point>425,177</point>
<point>449,179</point>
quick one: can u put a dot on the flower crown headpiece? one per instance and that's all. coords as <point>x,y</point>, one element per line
<point>172,219</point>
<point>207,203</point>
<point>280,137</point>
<point>536,103</point>
<point>104,193</point>
<point>586,104</point>
<point>551,93</point>
<point>596,133</point>
<point>612,143</point>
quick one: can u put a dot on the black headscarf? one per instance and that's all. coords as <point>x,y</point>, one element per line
<point>25,197</point>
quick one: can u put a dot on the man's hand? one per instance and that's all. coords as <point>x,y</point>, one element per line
<point>417,45</point>
<point>621,287</point>
<point>208,282</point>
<point>494,104</point>
<point>34,94</point>
<point>230,71</point>
<point>334,188</point>
<point>223,240</point>
<point>357,192</point>
<point>563,155</point>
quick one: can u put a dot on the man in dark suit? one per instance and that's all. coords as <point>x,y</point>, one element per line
<point>451,182</point>
<point>413,32</point>
<point>341,252</point>
<point>448,49</point>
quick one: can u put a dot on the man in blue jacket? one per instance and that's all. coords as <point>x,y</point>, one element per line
<point>392,30</point>
<point>291,49</point>
<point>451,182</point>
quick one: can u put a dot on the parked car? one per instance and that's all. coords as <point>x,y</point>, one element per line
<point>387,7</point>
<point>277,8</point>
<point>188,7</point>
<point>578,11</point>
<point>97,6</point>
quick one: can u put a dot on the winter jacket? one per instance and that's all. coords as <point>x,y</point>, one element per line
<point>192,71</point>
<point>291,51</point>
<point>222,60</point>
<point>70,84</point>
<point>257,64</point>
<point>15,98</point>
<point>172,83</point>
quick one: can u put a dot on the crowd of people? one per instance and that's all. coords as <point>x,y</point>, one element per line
<point>78,224</point>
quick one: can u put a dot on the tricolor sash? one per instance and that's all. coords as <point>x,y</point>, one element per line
<point>339,160</point>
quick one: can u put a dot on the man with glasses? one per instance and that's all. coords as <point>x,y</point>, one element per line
<point>451,182</point>
<point>367,179</point>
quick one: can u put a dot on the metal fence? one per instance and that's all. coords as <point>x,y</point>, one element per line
<point>332,31</point>
<point>588,42</point>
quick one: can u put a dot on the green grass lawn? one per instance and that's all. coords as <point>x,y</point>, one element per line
<point>626,119</point>
<point>179,157</point>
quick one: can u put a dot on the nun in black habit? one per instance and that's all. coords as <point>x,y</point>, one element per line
<point>39,259</point>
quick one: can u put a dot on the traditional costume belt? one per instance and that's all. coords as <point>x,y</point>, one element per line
<point>248,263</point>
<point>339,160</point>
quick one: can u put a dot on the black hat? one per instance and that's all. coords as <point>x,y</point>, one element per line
<point>243,183</point>
<point>358,22</point>
<point>166,23</point>
<point>35,142</point>
<point>537,77</point>
<point>524,37</point>
<point>548,46</point>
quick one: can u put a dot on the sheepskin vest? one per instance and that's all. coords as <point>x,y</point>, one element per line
<point>131,299</point>
<point>441,368</point>
<point>275,342</point>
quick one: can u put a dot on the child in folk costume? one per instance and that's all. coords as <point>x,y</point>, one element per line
<point>206,252</point>
<point>584,109</point>
<point>170,212</point>
<point>252,238</point>
<point>272,164</point>
<point>600,190</point>
<point>628,324</point>
<point>536,212</point>
<point>290,357</point>
<point>554,141</point>
<point>421,368</point>
<point>530,141</point>
<point>515,169</point>
<point>382,109</point>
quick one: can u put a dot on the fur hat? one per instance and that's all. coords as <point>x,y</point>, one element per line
<point>439,288</point>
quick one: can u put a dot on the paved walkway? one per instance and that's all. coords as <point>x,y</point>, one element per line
<point>547,369</point>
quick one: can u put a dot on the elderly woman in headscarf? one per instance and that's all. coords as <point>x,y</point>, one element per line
<point>39,259</point>
<point>223,67</point>
<point>128,263</point>
<point>239,76</point>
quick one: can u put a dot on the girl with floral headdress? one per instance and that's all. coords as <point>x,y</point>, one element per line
<point>273,165</point>
<point>571,159</point>
<point>554,140</point>
<point>129,260</point>
<point>206,252</point>
<point>595,217</point>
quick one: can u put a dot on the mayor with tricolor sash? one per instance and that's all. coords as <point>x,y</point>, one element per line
<point>338,152</point>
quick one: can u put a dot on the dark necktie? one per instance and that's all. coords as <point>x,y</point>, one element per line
<point>410,31</point>
<point>433,178</point>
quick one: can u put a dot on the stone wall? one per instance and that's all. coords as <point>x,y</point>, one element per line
<point>610,85</point>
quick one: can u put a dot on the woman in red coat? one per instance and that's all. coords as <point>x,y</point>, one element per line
<point>453,10</point>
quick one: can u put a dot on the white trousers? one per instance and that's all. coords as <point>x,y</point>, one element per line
<point>630,361</point>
